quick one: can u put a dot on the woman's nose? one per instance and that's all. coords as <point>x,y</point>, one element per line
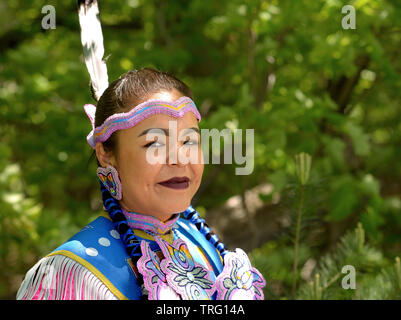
<point>175,154</point>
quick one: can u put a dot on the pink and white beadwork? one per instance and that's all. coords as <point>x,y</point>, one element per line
<point>189,279</point>
<point>239,280</point>
<point>148,223</point>
<point>142,111</point>
<point>154,279</point>
<point>176,276</point>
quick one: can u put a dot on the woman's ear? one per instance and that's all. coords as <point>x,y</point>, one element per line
<point>104,157</point>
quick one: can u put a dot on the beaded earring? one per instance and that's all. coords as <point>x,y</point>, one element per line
<point>109,177</point>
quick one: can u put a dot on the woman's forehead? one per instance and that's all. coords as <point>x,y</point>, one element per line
<point>164,121</point>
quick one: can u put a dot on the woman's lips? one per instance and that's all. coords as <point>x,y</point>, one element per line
<point>176,183</point>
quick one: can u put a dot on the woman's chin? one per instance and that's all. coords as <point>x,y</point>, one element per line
<point>176,207</point>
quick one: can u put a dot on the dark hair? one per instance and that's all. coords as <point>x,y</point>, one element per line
<point>131,89</point>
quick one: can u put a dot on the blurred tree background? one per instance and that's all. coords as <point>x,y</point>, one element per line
<point>285,68</point>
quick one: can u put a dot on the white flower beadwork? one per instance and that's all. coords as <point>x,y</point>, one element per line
<point>239,280</point>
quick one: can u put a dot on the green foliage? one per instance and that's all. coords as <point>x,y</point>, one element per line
<point>284,68</point>
<point>376,277</point>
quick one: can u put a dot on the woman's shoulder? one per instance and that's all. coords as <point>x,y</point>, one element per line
<point>98,247</point>
<point>97,251</point>
<point>95,239</point>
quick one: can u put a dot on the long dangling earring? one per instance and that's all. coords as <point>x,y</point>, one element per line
<point>109,177</point>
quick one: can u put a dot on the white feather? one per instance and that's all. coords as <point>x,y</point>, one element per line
<point>92,43</point>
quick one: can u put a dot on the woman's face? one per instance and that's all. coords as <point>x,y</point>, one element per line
<point>145,162</point>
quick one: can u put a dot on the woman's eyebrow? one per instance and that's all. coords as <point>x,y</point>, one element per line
<point>190,129</point>
<point>153,129</point>
<point>166,130</point>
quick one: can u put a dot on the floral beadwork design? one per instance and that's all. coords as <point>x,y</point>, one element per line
<point>188,278</point>
<point>154,279</point>
<point>239,280</point>
<point>176,276</point>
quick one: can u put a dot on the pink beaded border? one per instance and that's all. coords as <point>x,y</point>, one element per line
<point>142,111</point>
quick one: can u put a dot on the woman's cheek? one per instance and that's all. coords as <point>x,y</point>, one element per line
<point>198,172</point>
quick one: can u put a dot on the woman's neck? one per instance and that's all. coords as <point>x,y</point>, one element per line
<point>163,217</point>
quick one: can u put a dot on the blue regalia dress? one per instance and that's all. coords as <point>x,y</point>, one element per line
<point>93,264</point>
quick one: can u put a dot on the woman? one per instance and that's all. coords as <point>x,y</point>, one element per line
<point>150,243</point>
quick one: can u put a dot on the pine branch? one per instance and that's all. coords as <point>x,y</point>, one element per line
<point>384,286</point>
<point>303,165</point>
<point>351,250</point>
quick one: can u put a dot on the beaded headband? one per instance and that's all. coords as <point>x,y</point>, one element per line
<point>125,120</point>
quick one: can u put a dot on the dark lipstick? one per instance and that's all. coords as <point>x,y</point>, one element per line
<point>176,183</point>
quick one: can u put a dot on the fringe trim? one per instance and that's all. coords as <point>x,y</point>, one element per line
<point>61,278</point>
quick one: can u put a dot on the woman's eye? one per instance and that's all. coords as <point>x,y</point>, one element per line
<point>154,144</point>
<point>191,142</point>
